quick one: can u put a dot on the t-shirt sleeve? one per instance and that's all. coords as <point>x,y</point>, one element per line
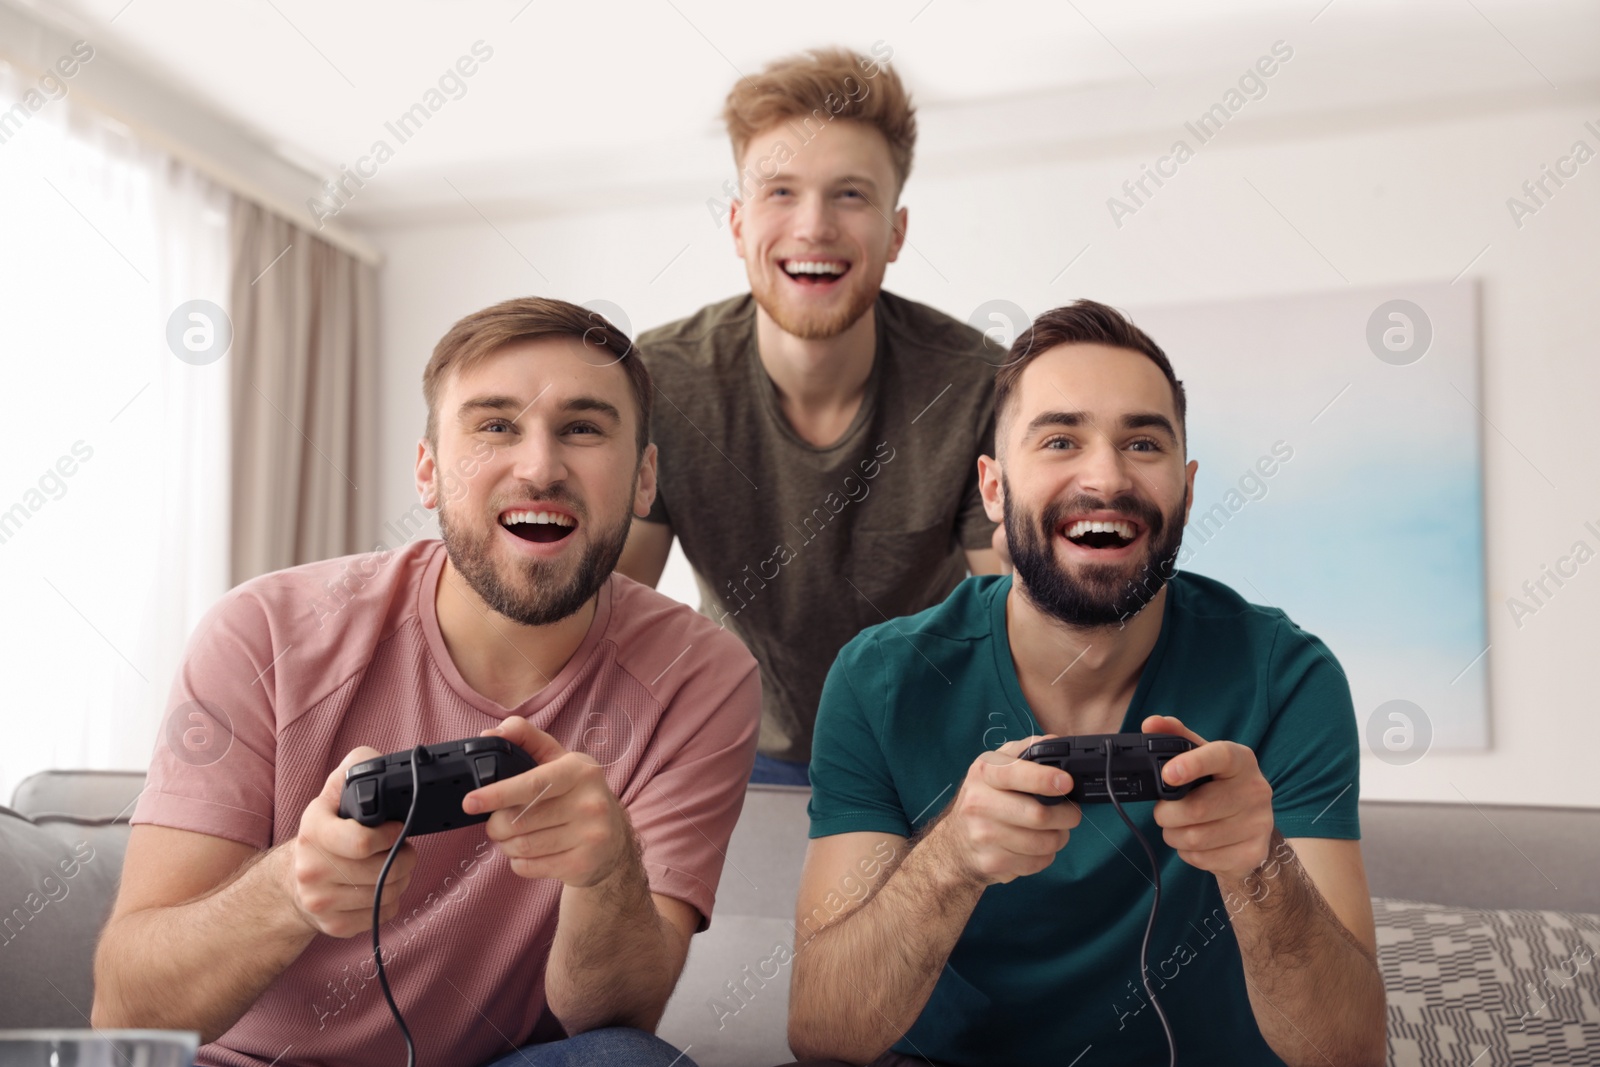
<point>977,531</point>
<point>851,788</point>
<point>685,813</point>
<point>212,768</point>
<point>1311,752</point>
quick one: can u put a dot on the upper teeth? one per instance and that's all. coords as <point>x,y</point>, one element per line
<point>1083,526</point>
<point>511,518</point>
<point>814,267</point>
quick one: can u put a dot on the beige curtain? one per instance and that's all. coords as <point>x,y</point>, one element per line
<point>304,397</point>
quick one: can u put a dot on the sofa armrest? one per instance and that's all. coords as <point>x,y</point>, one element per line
<point>80,794</point>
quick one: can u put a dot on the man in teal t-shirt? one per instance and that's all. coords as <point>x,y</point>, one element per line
<point>946,915</point>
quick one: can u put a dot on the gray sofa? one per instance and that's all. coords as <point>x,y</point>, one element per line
<point>1486,920</point>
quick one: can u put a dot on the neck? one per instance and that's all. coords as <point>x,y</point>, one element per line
<point>1079,680</point>
<point>499,658</point>
<point>820,382</point>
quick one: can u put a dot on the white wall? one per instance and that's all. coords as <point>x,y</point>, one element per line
<point>1389,195</point>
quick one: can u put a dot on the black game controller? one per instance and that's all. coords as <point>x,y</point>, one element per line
<point>379,790</point>
<point>1136,762</point>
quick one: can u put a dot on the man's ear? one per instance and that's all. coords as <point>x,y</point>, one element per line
<point>644,492</point>
<point>1188,488</point>
<point>991,488</point>
<point>736,226</point>
<point>898,239</point>
<point>427,472</point>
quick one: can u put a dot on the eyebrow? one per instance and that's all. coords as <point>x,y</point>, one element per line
<point>1134,420</point>
<point>848,179</point>
<point>583,403</point>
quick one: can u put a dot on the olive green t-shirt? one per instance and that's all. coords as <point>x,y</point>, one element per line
<point>1047,968</point>
<point>797,548</point>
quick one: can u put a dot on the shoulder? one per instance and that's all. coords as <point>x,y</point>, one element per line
<point>948,629</point>
<point>697,340</point>
<point>325,618</point>
<point>1223,626</point>
<point>355,590</point>
<point>1207,605</point>
<point>932,334</point>
<point>670,648</point>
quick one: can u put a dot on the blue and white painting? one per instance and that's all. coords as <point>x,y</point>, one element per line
<point>1341,479</point>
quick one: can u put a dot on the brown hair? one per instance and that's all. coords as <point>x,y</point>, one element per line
<point>1082,322</point>
<point>816,87</point>
<point>482,333</point>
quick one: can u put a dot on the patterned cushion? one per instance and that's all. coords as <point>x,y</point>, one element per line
<point>1489,987</point>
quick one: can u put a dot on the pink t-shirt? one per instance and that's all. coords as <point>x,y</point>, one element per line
<point>296,668</point>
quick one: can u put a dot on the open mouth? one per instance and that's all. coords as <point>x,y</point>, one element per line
<point>1101,533</point>
<point>815,272</point>
<point>542,527</point>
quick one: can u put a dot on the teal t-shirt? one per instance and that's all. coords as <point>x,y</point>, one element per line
<point>1047,968</point>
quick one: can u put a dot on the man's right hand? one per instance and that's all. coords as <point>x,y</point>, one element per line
<point>995,829</point>
<point>333,863</point>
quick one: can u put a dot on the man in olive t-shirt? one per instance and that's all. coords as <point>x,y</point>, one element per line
<point>797,548</point>
<point>818,436</point>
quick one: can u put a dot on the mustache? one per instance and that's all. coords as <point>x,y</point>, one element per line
<point>1056,512</point>
<point>543,496</point>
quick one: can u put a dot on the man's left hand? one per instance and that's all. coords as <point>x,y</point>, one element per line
<point>559,820</point>
<point>1224,826</point>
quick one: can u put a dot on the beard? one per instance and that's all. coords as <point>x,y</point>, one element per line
<point>1100,594</point>
<point>538,592</point>
<point>814,324</point>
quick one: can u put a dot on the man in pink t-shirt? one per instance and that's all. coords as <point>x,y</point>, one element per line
<point>246,903</point>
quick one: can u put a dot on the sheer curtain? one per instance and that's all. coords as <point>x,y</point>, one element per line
<point>305,394</point>
<point>114,480</point>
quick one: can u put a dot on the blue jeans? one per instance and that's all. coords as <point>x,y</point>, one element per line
<point>615,1046</point>
<point>769,771</point>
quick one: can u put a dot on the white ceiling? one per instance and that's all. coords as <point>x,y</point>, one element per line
<point>585,97</point>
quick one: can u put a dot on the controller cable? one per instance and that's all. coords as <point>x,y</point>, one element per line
<point>419,756</point>
<point>1144,947</point>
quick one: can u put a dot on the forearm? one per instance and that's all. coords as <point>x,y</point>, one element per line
<point>862,981</point>
<point>199,966</point>
<point>1316,993</point>
<point>613,961</point>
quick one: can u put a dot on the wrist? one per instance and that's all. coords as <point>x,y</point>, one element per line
<point>1256,883</point>
<point>626,865</point>
<point>286,913</point>
<point>949,864</point>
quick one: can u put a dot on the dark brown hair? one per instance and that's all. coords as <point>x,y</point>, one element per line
<point>820,85</point>
<point>1082,322</point>
<point>483,333</point>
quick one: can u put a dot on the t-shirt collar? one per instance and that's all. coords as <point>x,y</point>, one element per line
<point>764,387</point>
<point>1011,686</point>
<point>530,708</point>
